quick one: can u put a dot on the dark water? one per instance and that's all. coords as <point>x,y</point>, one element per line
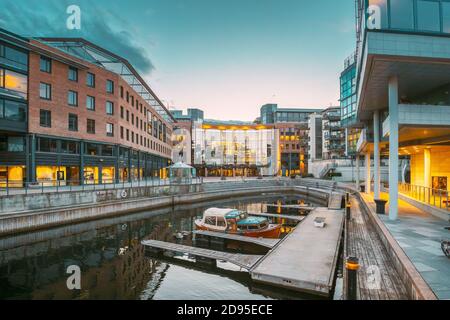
<point>114,266</point>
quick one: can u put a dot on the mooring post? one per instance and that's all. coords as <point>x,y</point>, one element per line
<point>348,211</point>
<point>347,197</point>
<point>352,266</point>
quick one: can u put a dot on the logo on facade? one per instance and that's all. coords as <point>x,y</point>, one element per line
<point>74,280</point>
<point>74,20</point>
<point>374,17</point>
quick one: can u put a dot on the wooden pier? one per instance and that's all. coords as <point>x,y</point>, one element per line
<point>280,216</point>
<point>292,263</point>
<point>264,242</point>
<point>335,202</point>
<point>296,264</point>
<point>291,206</point>
<point>245,261</point>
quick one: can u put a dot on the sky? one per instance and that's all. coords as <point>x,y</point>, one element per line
<point>227,57</point>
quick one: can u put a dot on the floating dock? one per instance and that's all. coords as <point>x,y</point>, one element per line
<point>296,264</point>
<point>336,201</point>
<point>281,216</point>
<point>292,263</point>
<point>245,261</point>
<point>264,242</point>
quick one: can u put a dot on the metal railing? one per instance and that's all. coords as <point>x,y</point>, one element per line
<point>15,187</point>
<point>434,197</point>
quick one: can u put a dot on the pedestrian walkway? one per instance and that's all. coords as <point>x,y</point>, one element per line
<point>419,234</point>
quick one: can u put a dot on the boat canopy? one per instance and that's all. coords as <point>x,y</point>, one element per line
<point>222,212</point>
<point>251,221</point>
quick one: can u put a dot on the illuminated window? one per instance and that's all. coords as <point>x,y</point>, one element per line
<point>13,81</point>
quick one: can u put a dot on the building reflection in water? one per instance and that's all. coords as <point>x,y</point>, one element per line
<point>112,260</point>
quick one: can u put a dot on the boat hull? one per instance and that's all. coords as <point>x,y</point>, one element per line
<point>273,231</point>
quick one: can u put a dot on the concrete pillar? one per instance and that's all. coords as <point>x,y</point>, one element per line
<point>427,168</point>
<point>376,154</point>
<point>368,174</point>
<point>357,173</point>
<point>393,148</point>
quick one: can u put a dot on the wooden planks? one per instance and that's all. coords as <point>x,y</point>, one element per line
<point>335,201</point>
<point>306,259</point>
<point>281,216</point>
<point>242,260</point>
<point>268,243</point>
<point>377,278</point>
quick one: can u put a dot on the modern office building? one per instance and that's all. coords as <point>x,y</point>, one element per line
<point>348,98</point>
<point>72,112</point>
<point>402,86</point>
<point>292,124</point>
<point>333,134</point>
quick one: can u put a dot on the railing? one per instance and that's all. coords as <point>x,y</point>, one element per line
<point>15,187</point>
<point>434,197</point>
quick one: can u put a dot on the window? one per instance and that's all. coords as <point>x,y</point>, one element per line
<point>73,74</point>
<point>121,112</point>
<point>16,144</point>
<point>121,92</point>
<point>13,111</point>
<point>45,118</point>
<point>90,103</point>
<point>109,108</point>
<point>446,16</point>
<point>109,86</point>
<point>73,122</point>
<point>128,135</point>
<point>210,220</point>
<point>107,150</point>
<point>14,81</point>
<point>46,145</point>
<point>402,14</point>
<point>91,126</point>
<point>13,57</point>
<point>45,91</point>
<point>121,132</point>
<point>69,147</point>
<point>428,17</point>
<point>110,130</point>
<point>72,98</point>
<point>90,80</point>
<point>46,65</point>
<point>128,115</point>
<point>92,149</point>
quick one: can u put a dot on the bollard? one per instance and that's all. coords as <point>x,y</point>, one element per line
<point>352,266</point>
<point>347,197</point>
<point>347,212</point>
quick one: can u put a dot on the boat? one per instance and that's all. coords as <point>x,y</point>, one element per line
<point>237,222</point>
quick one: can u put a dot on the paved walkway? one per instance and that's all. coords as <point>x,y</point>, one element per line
<point>419,235</point>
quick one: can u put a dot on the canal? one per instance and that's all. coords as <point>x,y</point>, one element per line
<point>113,263</point>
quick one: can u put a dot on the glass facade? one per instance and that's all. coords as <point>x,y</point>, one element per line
<point>233,146</point>
<point>413,15</point>
<point>348,94</point>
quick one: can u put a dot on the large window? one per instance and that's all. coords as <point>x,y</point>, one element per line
<point>46,145</point>
<point>13,57</point>
<point>13,111</point>
<point>70,147</point>
<point>428,18</point>
<point>15,82</point>
<point>45,118</point>
<point>402,14</point>
<point>109,86</point>
<point>45,91</point>
<point>446,17</point>
<point>110,129</point>
<point>72,98</point>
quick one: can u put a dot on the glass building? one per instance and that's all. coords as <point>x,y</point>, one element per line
<point>234,149</point>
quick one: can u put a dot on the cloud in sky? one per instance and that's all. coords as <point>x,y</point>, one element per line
<point>99,25</point>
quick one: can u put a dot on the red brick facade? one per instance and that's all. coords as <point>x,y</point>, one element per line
<point>60,108</point>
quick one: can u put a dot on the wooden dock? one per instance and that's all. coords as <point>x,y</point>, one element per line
<point>378,278</point>
<point>292,206</point>
<point>280,216</point>
<point>296,264</point>
<point>264,242</point>
<point>335,201</point>
<point>245,261</point>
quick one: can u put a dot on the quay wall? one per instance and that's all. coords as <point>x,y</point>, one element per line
<point>64,208</point>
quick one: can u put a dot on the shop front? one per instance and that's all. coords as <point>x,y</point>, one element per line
<point>12,176</point>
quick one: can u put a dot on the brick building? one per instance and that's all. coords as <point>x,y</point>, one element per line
<point>72,113</point>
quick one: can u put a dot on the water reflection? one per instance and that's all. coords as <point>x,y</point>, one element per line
<point>113,263</point>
